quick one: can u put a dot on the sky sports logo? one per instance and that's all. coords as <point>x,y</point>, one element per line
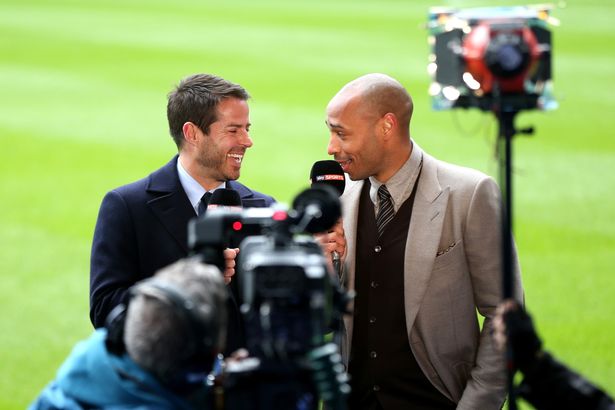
<point>320,178</point>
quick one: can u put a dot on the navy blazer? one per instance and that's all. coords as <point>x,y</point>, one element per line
<point>141,228</point>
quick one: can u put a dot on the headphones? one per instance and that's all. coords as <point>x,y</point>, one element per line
<point>203,341</point>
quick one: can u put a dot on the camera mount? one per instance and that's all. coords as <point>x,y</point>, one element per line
<point>496,59</point>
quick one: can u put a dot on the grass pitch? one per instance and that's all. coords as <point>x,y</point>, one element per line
<point>82,110</point>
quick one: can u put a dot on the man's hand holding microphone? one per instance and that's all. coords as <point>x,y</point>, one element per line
<point>333,242</point>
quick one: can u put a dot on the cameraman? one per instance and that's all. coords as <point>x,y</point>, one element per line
<point>547,383</point>
<point>156,354</point>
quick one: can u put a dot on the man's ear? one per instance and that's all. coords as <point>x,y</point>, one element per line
<point>191,133</point>
<point>388,124</point>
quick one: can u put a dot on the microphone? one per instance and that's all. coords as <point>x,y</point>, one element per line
<point>225,198</point>
<point>228,199</point>
<point>329,172</point>
<point>317,209</point>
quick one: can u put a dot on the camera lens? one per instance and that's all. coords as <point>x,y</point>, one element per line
<point>507,55</point>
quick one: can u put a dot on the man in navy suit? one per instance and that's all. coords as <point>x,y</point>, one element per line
<point>142,226</point>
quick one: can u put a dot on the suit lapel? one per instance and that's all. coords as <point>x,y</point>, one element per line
<point>247,196</point>
<point>423,237</point>
<point>170,203</point>
<point>350,210</point>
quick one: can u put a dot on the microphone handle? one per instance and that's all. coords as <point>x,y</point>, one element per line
<point>335,257</point>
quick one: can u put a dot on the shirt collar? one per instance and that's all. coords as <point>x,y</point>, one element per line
<point>193,189</point>
<point>401,183</point>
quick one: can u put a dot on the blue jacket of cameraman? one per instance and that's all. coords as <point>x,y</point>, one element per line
<point>91,377</point>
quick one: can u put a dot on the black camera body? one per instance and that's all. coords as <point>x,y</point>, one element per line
<point>289,300</point>
<point>287,295</point>
<point>223,228</point>
<point>491,58</point>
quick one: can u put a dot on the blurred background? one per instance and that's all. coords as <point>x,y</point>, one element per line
<point>83,90</point>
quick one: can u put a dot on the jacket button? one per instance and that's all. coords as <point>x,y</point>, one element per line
<point>377,248</point>
<point>376,387</point>
<point>374,284</point>
<point>373,354</point>
<point>372,319</point>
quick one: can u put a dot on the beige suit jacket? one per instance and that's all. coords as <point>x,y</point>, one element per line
<point>452,268</point>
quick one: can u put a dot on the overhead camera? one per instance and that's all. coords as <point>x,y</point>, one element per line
<point>289,300</point>
<point>487,57</point>
<point>497,59</point>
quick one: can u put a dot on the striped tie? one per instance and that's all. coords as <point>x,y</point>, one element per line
<point>385,209</point>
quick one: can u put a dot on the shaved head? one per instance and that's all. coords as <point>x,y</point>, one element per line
<point>377,94</point>
<point>369,125</point>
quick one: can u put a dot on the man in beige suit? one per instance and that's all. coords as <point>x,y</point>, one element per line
<point>421,246</point>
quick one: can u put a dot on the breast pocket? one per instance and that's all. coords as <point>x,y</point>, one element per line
<point>449,256</point>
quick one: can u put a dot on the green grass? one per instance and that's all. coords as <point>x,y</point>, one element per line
<point>82,110</point>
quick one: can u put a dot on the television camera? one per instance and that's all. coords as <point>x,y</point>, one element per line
<point>488,57</point>
<point>289,300</point>
<point>497,59</point>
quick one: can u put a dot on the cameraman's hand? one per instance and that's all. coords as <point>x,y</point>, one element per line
<point>229,264</point>
<point>499,325</point>
<point>513,325</point>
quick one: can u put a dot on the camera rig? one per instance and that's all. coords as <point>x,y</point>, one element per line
<point>289,299</point>
<point>483,57</point>
<point>496,59</point>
